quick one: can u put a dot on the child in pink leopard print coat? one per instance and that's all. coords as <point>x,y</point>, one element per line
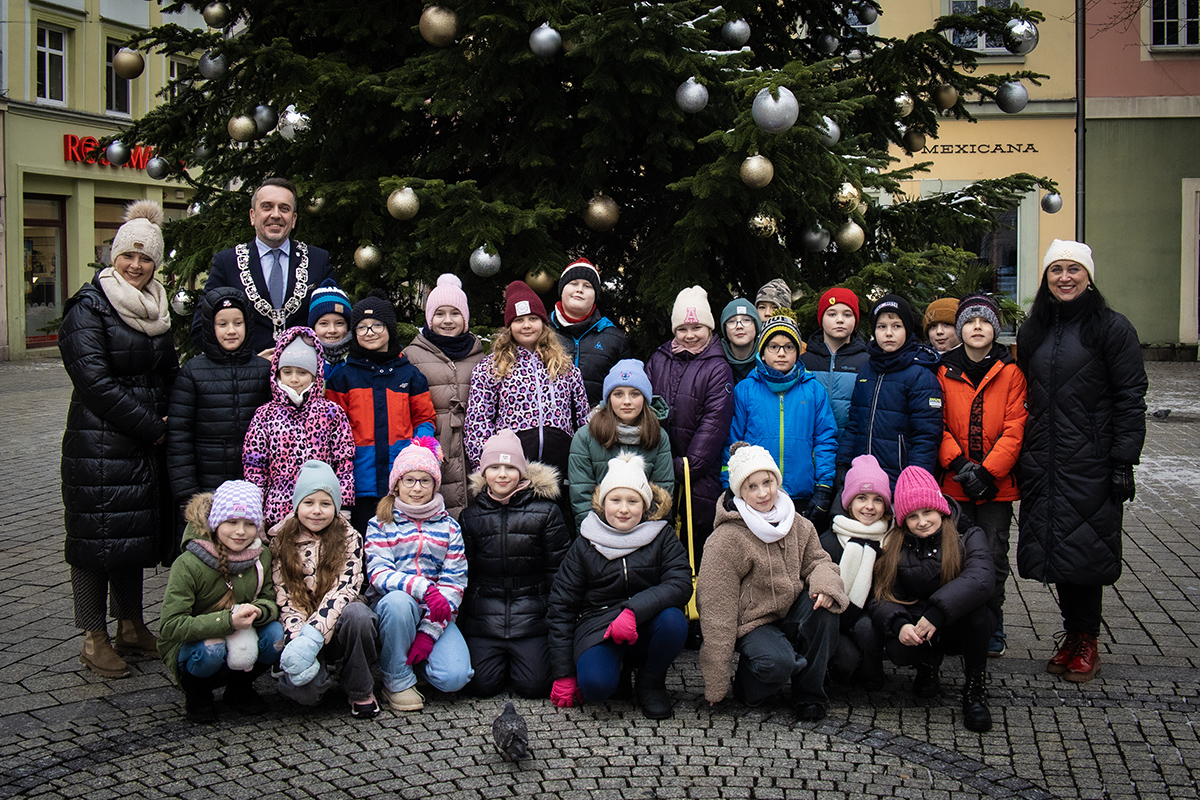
<point>297,425</point>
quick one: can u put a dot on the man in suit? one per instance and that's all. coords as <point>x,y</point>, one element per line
<point>276,274</point>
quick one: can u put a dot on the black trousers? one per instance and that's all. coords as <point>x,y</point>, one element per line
<point>967,637</point>
<point>1081,607</point>
<point>526,661</point>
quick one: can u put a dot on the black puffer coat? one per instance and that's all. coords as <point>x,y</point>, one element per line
<point>114,482</point>
<point>1087,416</point>
<point>513,551</point>
<point>590,591</point>
<point>595,344</point>
<point>214,399</point>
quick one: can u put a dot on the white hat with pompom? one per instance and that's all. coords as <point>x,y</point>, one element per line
<point>142,232</point>
<point>448,292</point>
<point>626,471</point>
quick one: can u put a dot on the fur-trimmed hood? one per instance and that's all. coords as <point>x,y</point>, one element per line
<point>543,481</point>
<point>660,504</point>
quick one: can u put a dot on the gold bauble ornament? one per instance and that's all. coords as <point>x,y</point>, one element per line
<point>439,26</point>
<point>367,256</point>
<point>601,213</point>
<point>242,128</point>
<point>862,208</point>
<point>849,237</point>
<point>128,64</point>
<point>914,141</point>
<point>403,203</point>
<point>945,96</point>
<point>216,15</point>
<point>316,205</point>
<point>847,196</point>
<point>763,225</point>
<point>757,171</point>
<point>540,281</point>
<point>903,104</point>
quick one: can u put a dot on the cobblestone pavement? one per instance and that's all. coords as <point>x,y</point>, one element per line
<point>1128,734</point>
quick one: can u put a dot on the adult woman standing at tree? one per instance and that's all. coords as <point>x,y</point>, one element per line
<point>116,346</point>
<point>1085,430</point>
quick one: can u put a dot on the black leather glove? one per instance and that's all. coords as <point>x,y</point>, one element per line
<point>1123,487</point>
<point>972,482</point>
<point>820,502</point>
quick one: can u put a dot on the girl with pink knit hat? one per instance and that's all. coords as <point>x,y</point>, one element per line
<point>932,586</point>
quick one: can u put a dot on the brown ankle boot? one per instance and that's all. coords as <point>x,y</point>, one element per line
<point>99,657</point>
<point>135,639</point>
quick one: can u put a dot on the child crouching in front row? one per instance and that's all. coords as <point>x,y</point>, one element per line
<point>932,587</point>
<point>218,624</point>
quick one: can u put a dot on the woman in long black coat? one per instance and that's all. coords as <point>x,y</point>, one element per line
<point>1084,433</point>
<point>116,346</point>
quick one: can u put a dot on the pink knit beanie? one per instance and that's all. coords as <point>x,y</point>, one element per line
<point>423,454</point>
<point>866,477</point>
<point>448,292</point>
<point>503,448</point>
<point>917,489</point>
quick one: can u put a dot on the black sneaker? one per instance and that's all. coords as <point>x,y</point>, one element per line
<point>926,685</point>
<point>810,712</point>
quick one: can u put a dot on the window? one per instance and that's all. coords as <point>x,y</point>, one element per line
<point>977,41</point>
<point>51,65</point>
<point>1175,23</point>
<point>45,236</point>
<point>998,249</point>
<point>177,67</point>
<point>116,96</point>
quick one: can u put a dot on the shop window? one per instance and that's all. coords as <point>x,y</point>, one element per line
<point>51,65</point>
<point>988,45</point>
<point>109,215</point>
<point>1175,23</point>
<point>116,93</point>
<point>45,240</point>
<point>999,249</point>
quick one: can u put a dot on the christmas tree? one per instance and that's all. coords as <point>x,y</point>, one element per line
<point>671,143</point>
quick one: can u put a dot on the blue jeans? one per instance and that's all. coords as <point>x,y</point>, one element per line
<point>658,644</point>
<point>449,666</point>
<point>204,659</point>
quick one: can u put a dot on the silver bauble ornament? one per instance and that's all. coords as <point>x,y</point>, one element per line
<point>541,282</point>
<point>904,104</point>
<point>691,97</point>
<point>202,152</point>
<point>862,208</point>
<point>914,140</point>
<point>483,263</point>
<point>158,168</point>
<point>944,96</point>
<point>242,128</point>
<point>367,256</point>
<point>826,43</point>
<point>757,171</point>
<point>438,26</point>
<point>866,14</point>
<point>128,64</point>
<point>403,203</point>
<point>775,115</point>
<point>216,15</point>
<point>849,237</point>
<point>180,302</point>
<point>1020,36</point>
<point>1012,97</point>
<point>117,153</point>
<point>763,225</point>
<point>736,32</point>
<point>829,132</point>
<point>1052,203</point>
<point>847,197</point>
<point>316,205</point>
<point>601,213</point>
<point>545,41</point>
<point>213,66</point>
<point>292,123</point>
<point>816,239</point>
<point>264,119</point>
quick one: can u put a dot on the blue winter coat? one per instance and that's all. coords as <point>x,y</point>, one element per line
<point>896,416</point>
<point>797,427</point>
<point>837,372</point>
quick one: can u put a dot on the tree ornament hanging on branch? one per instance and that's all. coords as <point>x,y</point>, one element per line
<point>1020,36</point>
<point>242,128</point>
<point>128,64</point>
<point>202,151</point>
<point>1052,203</point>
<point>117,153</point>
<point>403,203</point>
<point>903,104</point>
<point>775,115</point>
<point>545,41</point>
<point>1012,97</point>
<point>180,302</point>
<point>847,197</point>
<point>849,237</point>
<point>829,131</point>
<point>438,26</point>
<point>944,96</point>
<point>763,225</point>
<point>316,205</point>
<point>736,32</point>
<point>292,123</point>
<point>216,15</point>
<point>914,140</point>
<point>691,97</point>
<point>826,43</point>
<point>816,239</point>
<point>264,119</point>
<point>757,171</point>
<point>866,14</point>
<point>541,281</point>
<point>483,263</point>
<point>367,256</point>
<point>158,168</point>
<point>601,213</point>
<point>213,66</point>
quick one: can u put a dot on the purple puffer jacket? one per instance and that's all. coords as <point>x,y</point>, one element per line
<point>699,392</point>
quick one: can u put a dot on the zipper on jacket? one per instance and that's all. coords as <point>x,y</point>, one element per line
<point>420,547</point>
<point>781,435</point>
<point>625,569</point>
<point>871,424</point>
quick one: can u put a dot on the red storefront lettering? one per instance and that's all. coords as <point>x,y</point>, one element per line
<point>87,150</point>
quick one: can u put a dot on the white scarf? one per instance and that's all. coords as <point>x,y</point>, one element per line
<point>858,560</point>
<point>144,310</point>
<point>612,543</point>
<point>774,524</point>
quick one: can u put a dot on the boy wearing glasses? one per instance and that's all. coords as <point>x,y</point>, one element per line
<point>739,332</point>
<point>386,398</point>
<point>782,408</point>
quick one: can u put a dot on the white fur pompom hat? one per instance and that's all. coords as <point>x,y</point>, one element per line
<point>142,232</point>
<point>626,471</point>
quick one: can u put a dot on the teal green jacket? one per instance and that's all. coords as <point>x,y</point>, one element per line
<point>588,464</point>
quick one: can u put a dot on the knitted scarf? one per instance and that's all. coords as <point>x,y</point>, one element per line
<point>629,434</point>
<point>773,525</point>
<point>335,353</point>
<point>422,512</point>
<point>455,348</point>
<point>144,310</point>
<point>779,382</point>
<point>858,559</point>
<point>612,543</point>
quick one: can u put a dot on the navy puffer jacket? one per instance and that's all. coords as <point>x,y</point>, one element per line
<point>595,344</point>
<point>837,372</point>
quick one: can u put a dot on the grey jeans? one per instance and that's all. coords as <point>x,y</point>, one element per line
<point>351,653</point>
<point>796,648</point>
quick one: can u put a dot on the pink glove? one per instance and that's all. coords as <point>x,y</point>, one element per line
<point>564,691</point>
<point>422,646</point>
<point>623,629</point>
<point>439,607</point>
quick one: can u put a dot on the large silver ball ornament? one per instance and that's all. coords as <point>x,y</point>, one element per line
<point>242,128</point>
<point>826,43</point>
<point>849,237</point>
<point>216,15</point>
<point>944,96</point>
<point>541,282</point>
<point>1012,97</point>
<point>438,26</point>
<point>202,151</point>
<point>1052,203</point>
<point>483,263</point>
<point>866,14</point>
<point>403,203</point>
<point>847,197</point>
<point>128,64</point>
<point>1020,36</point>
<point>914,140</point>
<point>903,103</point>
<point>316,205</point>
<point>180,302</point>
<point>545,41</point>
<point>757,171</point>
<point>763,225</point>
<point>213,66</point>
<point>292,123</point>
<point>775,115</point>
<point>367,256</point>
<point>117,153</point>
<point>829,132</point>
<point>691,97</point>
<point>158,168</point>
<point>736,32</point>
<point>816,239</point>
<point>601,213</point>
<point>264,119</point>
